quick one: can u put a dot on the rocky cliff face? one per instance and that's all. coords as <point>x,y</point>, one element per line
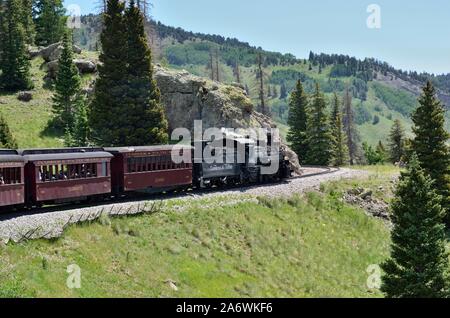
<point>187,98</point>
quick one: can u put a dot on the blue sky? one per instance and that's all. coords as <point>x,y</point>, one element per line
<point>414,34</point>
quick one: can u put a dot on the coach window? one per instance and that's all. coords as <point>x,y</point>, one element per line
<point>10,176</point>
<point>161,163</point>
<point>140,164</point>
<point>104,169</point>
<point>131,165</point>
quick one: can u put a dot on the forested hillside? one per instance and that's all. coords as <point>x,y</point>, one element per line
<point>381,93</point>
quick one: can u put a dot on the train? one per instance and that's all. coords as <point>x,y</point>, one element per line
<point>32,178</point>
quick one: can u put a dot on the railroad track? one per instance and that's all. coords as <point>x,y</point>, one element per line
<point>312,171</point>
<point>308,172</point>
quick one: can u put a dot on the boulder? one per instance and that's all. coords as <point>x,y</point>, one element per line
<point>85,66</point>
<point>52,69</point>
<point>367,196</point>
<point>34,51</point>
<point>25,96</point>
<point>53,51</point>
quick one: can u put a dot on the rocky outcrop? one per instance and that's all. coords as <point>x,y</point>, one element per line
<point>84,67</point>
<point>187,98</point>
<point>53,52</point>
<point>51,55</point>
<point>365,200</point>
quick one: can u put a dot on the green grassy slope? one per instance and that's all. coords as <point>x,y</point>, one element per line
<point>304,247</point>
<point>28,121</point>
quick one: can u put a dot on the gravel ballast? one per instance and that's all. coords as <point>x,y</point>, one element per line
<point>21,226</point>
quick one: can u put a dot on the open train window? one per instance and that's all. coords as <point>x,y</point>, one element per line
<point>60,172</point>
<point>10,176</point>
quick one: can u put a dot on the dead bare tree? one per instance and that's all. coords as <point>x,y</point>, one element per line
<point>210,65</point>
<point>260,78</point>
<point>217,65</point>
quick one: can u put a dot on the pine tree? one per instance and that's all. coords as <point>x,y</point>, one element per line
<point>430,143</point>
<point>318,132</point>
<point>126,109</point>
<point>50,21</point>
<point>397,142</point>
<point>247,90</point>
<point>283,91</point>
<point>275,92</point>
<point>15,64</point>
<point>2,28</point>
<point>68,138</point>
<point>107,108</point>
<point>27,21</point>
<point>81,131</point>
<point>418,259</point>
<point>297,135</point>
<point>6,138</point>
<point>350,128</point>
<point>67,97</point>
<point>340,150</point>
<point>146,122</point>
<point>381,151</point>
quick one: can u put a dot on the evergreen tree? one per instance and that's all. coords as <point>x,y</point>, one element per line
<point>397,142</point>
<point>126,109</point>
<point>67,96</point>
<point>340,150</point>
<point>318,132</point>
<point>430,143</point>
<point>283,91</point>
<point>297,121</point>
<point>2,29</point>
<point>107,108</point>
<point>146,122</point>
<point>247,90</point>
<point>350,128</point>
<point>275,92</point>
<point>381,151</point>
<point>50,21</point>
<point>15,64</point>
<point>6,138</point>
<point>418,259</point>
<point>68,138</point>
<point>81,131</point>
<point>27,20</point>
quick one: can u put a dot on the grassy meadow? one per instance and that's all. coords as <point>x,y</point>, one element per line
<point>312,245</point>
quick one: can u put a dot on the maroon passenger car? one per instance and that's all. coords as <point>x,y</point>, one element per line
<point>148,168</point>
<point>12,188</point>
<point>64,176</point>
